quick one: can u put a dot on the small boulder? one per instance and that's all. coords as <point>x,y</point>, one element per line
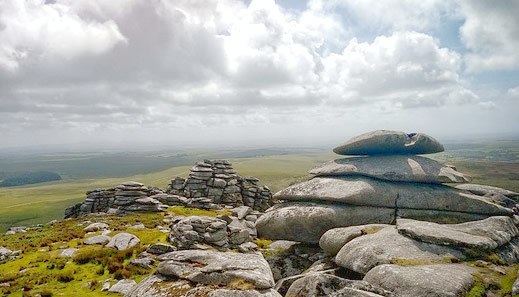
<point>99,239</point>
<point>334,239</point>
<point>123,286</point>
<point>123,241</point>
<point>160,248</point>
<point>68,253</point>
<point>96,227</point>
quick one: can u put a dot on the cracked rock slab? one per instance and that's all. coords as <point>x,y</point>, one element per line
<point>441,280</point>
<point>217,268</point>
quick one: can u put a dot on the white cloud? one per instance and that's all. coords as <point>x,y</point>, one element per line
<point>32,30</point>
<point>491,33</point>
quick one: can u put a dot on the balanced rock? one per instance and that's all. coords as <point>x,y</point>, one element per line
<point>365,191</point>
<point>396,168</point>
<point>123,241</point>
<point>390,142</point>
<point>485,190</point>
<point>440,280</point>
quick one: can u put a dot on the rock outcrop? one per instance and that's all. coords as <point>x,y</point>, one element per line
<point>211,184</point>
<point>218,182</point>
<point>389,183</point>
<point>208,273</point>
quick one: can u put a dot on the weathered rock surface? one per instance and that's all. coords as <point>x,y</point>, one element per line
<point>123,286</point>
<point>371,192</point>
<point>96,227</point>
<point>217,268</point>
<point>515,287</point>
<point>160,286</point>
<point>5,254</point>
<point>322,284</point>
<point>393,168</point>
<point>68,253</point>
<point>123,241</point>
<point>484,190</point>
<point>388,246</point>
<point>485,235</point>
<point>307,221</point>
<point>389,142</point>
<point>160,248</point>
<point>99,239</point>
<point>441,280</point>
<point>334,239</point>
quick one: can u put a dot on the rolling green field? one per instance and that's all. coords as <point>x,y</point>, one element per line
<point>41,203</point>
<point>492,164</point>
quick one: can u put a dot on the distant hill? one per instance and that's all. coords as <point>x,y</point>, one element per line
<point>27,178</point>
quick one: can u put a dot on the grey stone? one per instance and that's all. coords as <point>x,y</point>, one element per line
<point>371,192</point>
<point>99,239</point>
<point>393,168</point>
<point>389,143</point>
<point>123,286</point>
<point>307,222</point>
<point>96,227</point>
<point>515,287</point>
<point>160,248</point>
<point>241,211</point>
<point>160,286</point>
<point>484,190</point>
<point>334,239</point>
<point>441,280</point>
<point>483,235</point>
<point>322,284</point>
<point>5,253</point>
<point>123,241</point>
<point>68,253</point>
<point>217,268</point>
<point>388,246</point>
<point>145,262</point>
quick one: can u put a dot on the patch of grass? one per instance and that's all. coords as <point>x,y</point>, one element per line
<point>418,262</point>
<point>263,243</point>
<point>187,211</point>
<point>489,281</point>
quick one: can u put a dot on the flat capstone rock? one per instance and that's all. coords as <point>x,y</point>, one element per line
<point>392,168</point>
<point>384,142</point>
<point>486,190</point>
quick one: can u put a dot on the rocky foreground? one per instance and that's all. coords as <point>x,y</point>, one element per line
<point>381,222</point>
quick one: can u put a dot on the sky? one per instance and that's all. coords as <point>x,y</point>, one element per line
<point>255,73</point>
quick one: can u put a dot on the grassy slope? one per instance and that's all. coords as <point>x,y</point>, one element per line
<point>44,202</point>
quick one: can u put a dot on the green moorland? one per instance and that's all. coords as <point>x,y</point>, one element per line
<point>41,203</point>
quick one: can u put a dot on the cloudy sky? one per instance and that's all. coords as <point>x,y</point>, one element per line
<point>230,72</point>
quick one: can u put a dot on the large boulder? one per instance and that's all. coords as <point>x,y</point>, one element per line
<point>334,239</point>
<point>441,280</point>
<point>123,241</point>
<point>365,191</point>
<point>157,285</point>
<point>393,168</point>
<point>484,235</point>
<point>390,143</point>
<point>322,284</point>
<point>485,190</point>
<point>123,286</point>
<point>307,221</point>
<point>388,246</point>
<point>217,268</point>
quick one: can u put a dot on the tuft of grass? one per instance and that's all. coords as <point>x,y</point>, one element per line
<point>263,243</point>
<point>188,211</point>
<point>418,262</point>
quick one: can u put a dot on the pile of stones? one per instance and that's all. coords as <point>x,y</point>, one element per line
<point>388,218</point>
<point>385,181</point>
<point>211,184</point>
<point>222,232</point>
<point>214,182</point>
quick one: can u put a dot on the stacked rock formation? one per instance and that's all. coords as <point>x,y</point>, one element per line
<point>214,182</point>
<point>385,180</point>
<point>127,197</point>
<point>210,185</point>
